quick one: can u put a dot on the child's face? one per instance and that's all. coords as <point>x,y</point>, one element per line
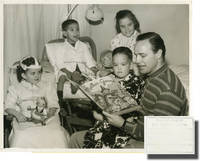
<point>121,65</point>
<point>126,26</point>
<point>32,76</point>
<point>107,60</point>
<point>72,33</point>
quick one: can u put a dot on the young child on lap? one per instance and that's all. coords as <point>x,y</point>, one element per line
<point>103,134</point>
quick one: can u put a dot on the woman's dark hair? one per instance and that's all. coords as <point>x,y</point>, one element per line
<point>126,13</point>
<point>123,50</point>
<point>155,40</point>
<point>28,61</point>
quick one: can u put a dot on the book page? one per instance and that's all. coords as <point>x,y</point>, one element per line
<point>169,135</point>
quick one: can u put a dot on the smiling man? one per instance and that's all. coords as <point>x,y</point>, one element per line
<point>164,94</point>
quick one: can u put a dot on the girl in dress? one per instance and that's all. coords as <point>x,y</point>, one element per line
<point>27,132</point>
<point>103,134</point>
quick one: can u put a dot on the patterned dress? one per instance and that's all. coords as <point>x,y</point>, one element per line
<point>120,40</point>
<point>104,135</point>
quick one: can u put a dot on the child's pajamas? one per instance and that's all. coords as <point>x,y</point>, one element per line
<point>104,135</point>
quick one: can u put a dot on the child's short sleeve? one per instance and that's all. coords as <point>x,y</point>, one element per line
<point>12,99</point>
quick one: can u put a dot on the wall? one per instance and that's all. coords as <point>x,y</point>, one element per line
<point>170,21</point>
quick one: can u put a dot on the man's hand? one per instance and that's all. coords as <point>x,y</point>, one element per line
<point>114,120</point>
<point>98,116</point>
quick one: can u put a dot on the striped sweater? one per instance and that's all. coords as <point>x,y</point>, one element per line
<point>164,95</point>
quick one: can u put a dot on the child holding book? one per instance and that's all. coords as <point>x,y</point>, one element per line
<point>104,134</point>
<point>73,58</point>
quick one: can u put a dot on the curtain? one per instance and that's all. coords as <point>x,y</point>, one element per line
<point>26,30</point>
<point>27,27</point>
<point>79,15</point>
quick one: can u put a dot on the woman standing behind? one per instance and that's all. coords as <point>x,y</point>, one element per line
<point>128,28</point>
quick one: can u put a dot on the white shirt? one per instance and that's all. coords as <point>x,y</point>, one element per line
<point>64,55</point>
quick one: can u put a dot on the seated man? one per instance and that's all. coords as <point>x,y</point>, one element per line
<point>163,95</point>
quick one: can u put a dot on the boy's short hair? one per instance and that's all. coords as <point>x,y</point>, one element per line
<point>68,22</point>
<point>123,50</point>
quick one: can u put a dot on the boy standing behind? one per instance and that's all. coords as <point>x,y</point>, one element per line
<point>72,57</point>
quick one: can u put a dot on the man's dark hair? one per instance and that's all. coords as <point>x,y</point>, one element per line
<point>123,50</point>
<point>155,40</point>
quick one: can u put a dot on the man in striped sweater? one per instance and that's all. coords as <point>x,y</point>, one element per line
<point>164,94</point>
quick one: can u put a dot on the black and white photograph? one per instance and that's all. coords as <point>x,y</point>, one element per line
<point>83,76</point>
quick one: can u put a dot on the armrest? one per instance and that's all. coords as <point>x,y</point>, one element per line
<point>92,45</point>
<point>7,129</point>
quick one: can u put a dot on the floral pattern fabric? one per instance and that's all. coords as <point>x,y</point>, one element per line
<point>104,135</point>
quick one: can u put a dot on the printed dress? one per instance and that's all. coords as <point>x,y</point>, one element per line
<point>122,41</point>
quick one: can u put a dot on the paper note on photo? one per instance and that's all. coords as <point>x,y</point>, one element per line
<point>169,135</point>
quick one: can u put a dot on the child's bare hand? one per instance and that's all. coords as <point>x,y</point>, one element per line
<point>103,73</point>
<point>36,121</point>
<point>68,73</point>
<point>20,117</point>
<point>97,116</point>
<point>114,120</point>
<point>76,76</point>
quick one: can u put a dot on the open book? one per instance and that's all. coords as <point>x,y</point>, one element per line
<point>108,95</point>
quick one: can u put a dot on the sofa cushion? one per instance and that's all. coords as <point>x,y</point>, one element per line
<point>182,72</point>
